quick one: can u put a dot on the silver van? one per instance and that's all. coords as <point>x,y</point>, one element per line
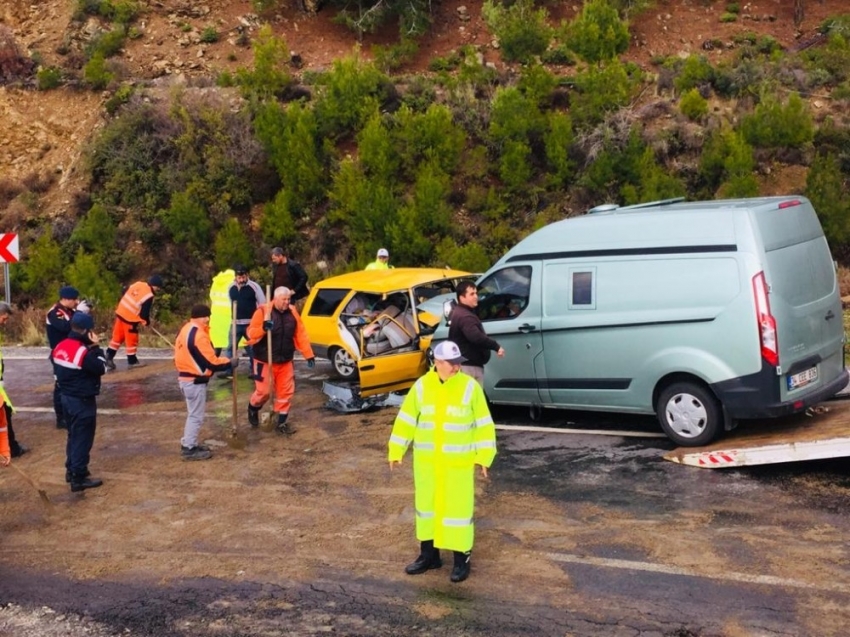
<point>699,312</point>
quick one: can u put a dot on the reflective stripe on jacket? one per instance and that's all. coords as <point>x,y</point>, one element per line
<point>130,308</point>
<point>451,429</point>
<point>194,356</point>
<point>78,365</point>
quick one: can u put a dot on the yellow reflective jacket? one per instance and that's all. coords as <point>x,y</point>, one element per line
<point>221,308</point>
<point>448,422</point>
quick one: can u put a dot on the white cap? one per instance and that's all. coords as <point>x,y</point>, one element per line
<point>449,351</point>
<point>383,253</point>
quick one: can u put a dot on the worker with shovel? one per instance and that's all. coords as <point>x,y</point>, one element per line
<point>195,359</point>
<point>134,309</point>
<point>275,332</point>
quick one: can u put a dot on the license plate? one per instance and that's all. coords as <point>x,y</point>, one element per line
<point>795,381</point>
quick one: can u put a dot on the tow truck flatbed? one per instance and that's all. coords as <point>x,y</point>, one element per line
<point>821,432</point>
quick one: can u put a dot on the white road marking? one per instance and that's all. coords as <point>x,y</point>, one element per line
<point>727,576</point>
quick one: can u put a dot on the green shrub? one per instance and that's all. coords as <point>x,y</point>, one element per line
<point>290,137</point>
<point>392,57</point>
<point>96,74</point>
<point>108,44</point>
<point>537,83</point>
<point>277,223</point>
<point>188,221</point>
<point>558,55</point>
<point>471,257</point>
<point>733,7</point>
<point>826,187</point>
<point>376,150</point>
<point>601,90</point>
<point>100,283</point>
<point>514,116</point>
<point>49,78</point>
<point>522,30</point>
<point>209,35</point>
<point>232,244</point>
<point>119,98</point>
<point>693,105</point>
<point>695,71</point>
<point>270,77</point>
<point>431,136</point>
<point>558,140</point>
<point>447,63</point>
<point>738,168</point>
<point>95,232</point>
<point>43,269</point>
<point>598,34</point>
<point>728,17</point>
<point>776,125</point>
<point>515,169</point>
<point>348,95</point>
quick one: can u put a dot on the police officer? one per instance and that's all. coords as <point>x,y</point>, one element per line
<point>445,416</point>
<point>58,327</point>
<point>79,363</point>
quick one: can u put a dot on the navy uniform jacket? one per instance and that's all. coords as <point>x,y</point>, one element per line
<point>78,365</point>
<point>58,324</point>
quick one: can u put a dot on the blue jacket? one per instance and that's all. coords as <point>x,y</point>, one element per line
<point>78,365</point>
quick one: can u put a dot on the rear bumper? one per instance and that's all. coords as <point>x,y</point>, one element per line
<point>757,395</point>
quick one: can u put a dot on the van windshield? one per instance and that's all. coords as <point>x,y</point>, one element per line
<point>504,294</point>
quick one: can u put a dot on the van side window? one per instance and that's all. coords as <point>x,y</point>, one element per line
<point>504,294</point>
<point>581,289</point>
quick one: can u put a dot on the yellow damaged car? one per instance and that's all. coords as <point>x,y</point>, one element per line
<point>370,323</point>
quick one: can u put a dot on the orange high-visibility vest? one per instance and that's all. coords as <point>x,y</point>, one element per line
<point>130,306</point>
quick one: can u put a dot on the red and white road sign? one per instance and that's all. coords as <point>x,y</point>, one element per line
<point>9,251</point>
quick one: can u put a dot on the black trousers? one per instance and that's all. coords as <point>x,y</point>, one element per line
<point>81,417</point>
<point>14,445</point>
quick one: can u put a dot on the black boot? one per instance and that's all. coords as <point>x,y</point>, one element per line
<point>81,484</point>
<point>68,475</point>
<point>429,558</point>
<point>253,415</point>
<point>462,566</point>
<point>110,354</point>
<point>282,426</point>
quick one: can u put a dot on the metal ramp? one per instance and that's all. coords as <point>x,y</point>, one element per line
<point>821,432</point>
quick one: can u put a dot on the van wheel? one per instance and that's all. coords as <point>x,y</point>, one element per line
<point>344,365</point>
<point>689,414</point>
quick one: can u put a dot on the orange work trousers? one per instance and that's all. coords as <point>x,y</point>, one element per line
<point>125,332</point>
<point>283,376</point>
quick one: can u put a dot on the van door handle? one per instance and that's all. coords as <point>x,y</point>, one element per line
<point>829,315</point>
<point>525,328</point>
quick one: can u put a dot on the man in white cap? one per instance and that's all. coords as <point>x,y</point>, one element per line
<point>445,416</point>
<point>381,262</point>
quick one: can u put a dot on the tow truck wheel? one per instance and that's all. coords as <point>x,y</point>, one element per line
<point>689,414</point>
<point>344,365</point>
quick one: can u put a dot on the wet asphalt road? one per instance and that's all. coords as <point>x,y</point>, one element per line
<point>619,586</point>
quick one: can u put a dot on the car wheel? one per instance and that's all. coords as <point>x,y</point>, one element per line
<point>689,414</point>
<point>344,365</point>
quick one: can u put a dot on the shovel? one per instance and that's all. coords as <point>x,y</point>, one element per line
<point>235,441</point>
<point>41,492</point>
<point>267,417</point>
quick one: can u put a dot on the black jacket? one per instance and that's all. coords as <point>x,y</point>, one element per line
<point>468,333</point>
<point>292,276</point>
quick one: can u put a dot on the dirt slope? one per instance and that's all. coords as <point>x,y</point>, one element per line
<point>43,132</point>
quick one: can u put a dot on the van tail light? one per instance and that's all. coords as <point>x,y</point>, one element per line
<point>767,324</point>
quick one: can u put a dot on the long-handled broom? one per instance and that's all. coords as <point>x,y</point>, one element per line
<point>267,417</point>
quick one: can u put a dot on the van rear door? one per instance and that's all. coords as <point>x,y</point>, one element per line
<point>804,297</point>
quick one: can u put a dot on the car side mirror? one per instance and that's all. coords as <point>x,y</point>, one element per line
<point>448,306</point>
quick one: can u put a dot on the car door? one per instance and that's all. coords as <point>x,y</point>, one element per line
<point>403,361</point>
<point>509,308</point>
